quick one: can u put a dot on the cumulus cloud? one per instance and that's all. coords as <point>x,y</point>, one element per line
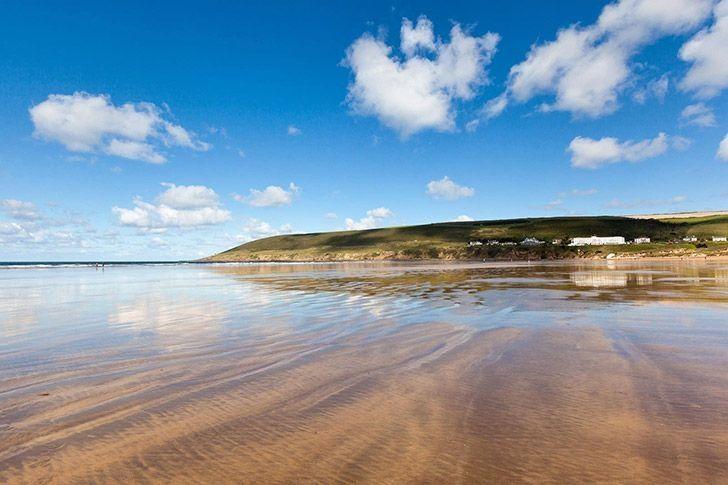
<point>463,218</point>
<point>587,67</point>
<point>590,153</point>
<point>187,196</point>
<point>293,131</point>
<point>90,123</point>
<point>372,219</point>
<point>180,206</point>
<point>447,189</point>
<point>271,196</point>
<point>708,74</point>
<point>417,92</point>
<point>19,209</point>
<point>698,114</point>
<point>723,149</point>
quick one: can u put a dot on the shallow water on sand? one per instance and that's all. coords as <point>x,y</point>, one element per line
<point>380,372</point>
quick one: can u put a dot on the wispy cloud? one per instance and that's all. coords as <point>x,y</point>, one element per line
<point>698,114</point>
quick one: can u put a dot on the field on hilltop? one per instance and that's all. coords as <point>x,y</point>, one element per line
<point>449,240</point>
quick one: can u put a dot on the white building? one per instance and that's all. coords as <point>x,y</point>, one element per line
<point>475,243</point>
<point>642,240</point>
<point>690,239</point>
<point>720,239</point>
<point>531,241</point>
<point>597,241</point>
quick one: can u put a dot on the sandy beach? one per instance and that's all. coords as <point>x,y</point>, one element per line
<point>441,374</point>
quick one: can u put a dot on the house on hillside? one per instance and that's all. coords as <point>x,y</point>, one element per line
<point>531,241</point>
<point>474,244</point>
<point>720,239</point>
<point>641,240</point>
<point>690,239</point>
<point>597,241</point>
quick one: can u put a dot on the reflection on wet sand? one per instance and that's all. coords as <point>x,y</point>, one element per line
<point>358,372</point>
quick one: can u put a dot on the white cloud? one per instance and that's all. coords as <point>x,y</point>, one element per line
<point>22,234</point>
<point>472,125</point>
<point>330,215</point>
<point>706,50</point>
<point>134,150</point>
<point>448,190</point>
<point>554,204</point>
<point>19,209</point>
<point>417,92</point>
<point>241,153</point>
<point>421,36</point>
<point>293,131</point>
<point>463,218</point>
<point>271,196</point>
<point>722,152</point>
<point>590,153</point>
<point>645,203</point>
<point>188,196</point>
<point>583,192</point>
<point>657,88</point>
<point>90,123</point>
<point>586,68</point>
<point>61,229</point>
<point>257,229</point>
<point>380,213</point>
<point>372,219</point>
<point>680,143</point>
<point>180,206</point>
<point>494,107</point>
<point>157,242</point>
<point>698,114</point>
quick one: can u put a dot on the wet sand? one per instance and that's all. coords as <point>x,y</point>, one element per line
<point>368,373</point>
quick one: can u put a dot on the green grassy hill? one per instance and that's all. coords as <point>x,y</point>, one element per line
<point>449,240</point>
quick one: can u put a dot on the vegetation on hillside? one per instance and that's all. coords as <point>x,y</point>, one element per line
<point>449,240</point>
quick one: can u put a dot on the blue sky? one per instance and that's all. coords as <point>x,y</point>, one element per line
<point>171,131</point>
